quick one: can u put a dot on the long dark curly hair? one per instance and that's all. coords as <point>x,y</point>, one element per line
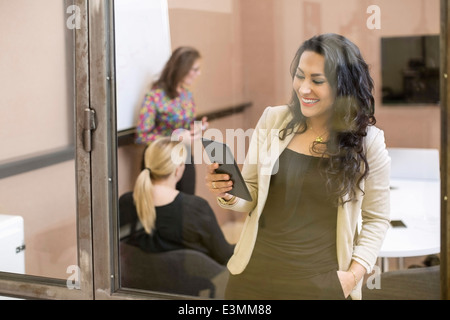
<point>343,159</point>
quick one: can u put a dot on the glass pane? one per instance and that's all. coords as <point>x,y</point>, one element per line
<point>247,48</point>
<point>38,233</point>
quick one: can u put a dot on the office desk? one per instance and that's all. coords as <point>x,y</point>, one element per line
<point>417,204</point>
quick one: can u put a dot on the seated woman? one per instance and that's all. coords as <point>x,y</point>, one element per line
<point>172,219</point>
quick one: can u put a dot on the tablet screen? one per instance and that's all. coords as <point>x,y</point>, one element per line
<point>220,153</point>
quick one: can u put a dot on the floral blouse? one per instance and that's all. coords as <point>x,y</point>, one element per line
<point>160,115</point>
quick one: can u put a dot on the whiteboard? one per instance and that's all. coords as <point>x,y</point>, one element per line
<point>142,47</point>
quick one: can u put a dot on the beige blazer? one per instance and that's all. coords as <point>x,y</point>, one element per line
<point>371,209</point>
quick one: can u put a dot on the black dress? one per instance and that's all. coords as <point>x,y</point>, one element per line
<point>188,180</point>
<point>187,222</point>
<point>295,252</point>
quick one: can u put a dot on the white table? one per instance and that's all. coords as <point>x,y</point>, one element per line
<point>417,204</point>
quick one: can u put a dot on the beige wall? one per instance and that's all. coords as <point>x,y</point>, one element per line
<point>404,126</point>
<point>217,35</point>
<point>34,115</point>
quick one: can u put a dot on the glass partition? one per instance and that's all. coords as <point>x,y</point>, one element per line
<point>38,222</point>
<point>246,50</point>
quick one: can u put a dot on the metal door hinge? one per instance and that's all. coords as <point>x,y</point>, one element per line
<point>89,126</point>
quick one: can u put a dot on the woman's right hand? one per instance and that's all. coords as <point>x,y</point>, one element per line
<point>218,183</point>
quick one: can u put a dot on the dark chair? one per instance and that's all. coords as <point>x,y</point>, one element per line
<point>185,272</point>
<point>409,284</point>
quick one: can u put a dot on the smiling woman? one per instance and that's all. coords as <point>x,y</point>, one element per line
<point>313,91</point>
<point>322,183</point>
<point>331,73</point>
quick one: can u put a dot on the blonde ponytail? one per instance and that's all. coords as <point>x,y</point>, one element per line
<point>143,199</point>
<point>159,162</point>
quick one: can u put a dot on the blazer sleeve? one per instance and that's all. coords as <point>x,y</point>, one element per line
<point>375,208</point>
<point>250,167</point>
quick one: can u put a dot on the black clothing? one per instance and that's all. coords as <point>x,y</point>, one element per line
<point>187,222</point>
<point>187,181</point>
<point>259,284</point>
<point>295,251</point>
<point>303,232</point>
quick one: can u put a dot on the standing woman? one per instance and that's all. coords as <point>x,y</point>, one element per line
<point>170,106</point>
<point>329,168</point>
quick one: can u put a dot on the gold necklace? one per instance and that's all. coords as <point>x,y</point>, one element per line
<point>319,137</point>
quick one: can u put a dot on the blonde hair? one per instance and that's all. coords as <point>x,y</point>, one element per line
<point>161,158</point>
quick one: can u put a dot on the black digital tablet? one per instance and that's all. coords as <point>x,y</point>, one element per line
<point>220,152</point>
